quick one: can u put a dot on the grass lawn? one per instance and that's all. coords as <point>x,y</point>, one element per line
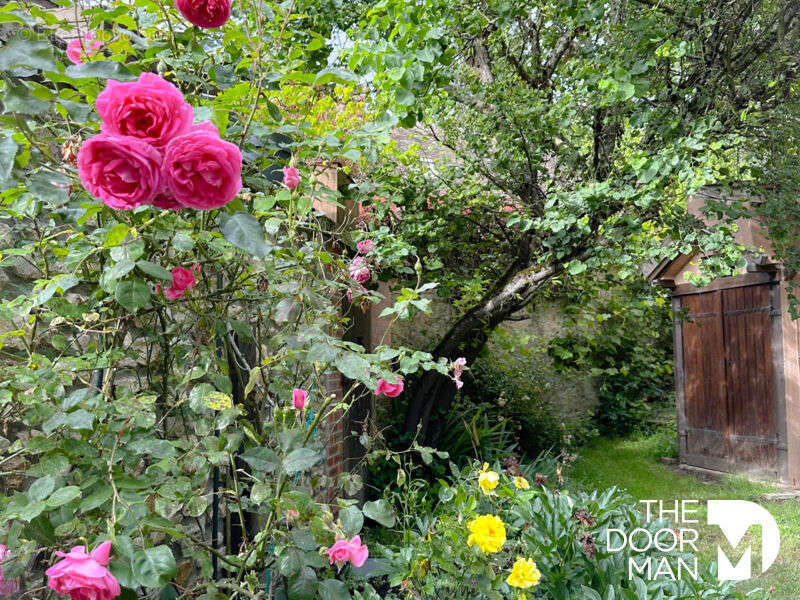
<point>634,464</point>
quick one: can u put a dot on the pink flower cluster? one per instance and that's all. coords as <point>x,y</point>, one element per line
<point>348,551</point>
<point>82,48</point>
<point>6,587</point>
<point>148,151</point>
<point>84,576</point>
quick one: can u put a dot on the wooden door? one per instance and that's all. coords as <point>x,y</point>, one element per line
<point>728,400</point>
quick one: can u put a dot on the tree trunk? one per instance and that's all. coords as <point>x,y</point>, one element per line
<point>433,393</point>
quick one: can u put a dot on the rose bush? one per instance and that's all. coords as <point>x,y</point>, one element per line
<point>181,293</point>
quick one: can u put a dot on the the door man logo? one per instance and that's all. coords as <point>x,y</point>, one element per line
<point>654,551</point>
<point>735,517</point>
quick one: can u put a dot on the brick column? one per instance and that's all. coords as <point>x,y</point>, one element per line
<point>332,435</point>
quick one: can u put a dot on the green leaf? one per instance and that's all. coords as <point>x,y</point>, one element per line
<point>41,488</point>
<point>19,99</point>
<point>245,232</point>
<point>352,520</point>
<point>101,69</point>
<point>116,235</point>
<point>380,511</point>
<point>80,419</point>
<point>335,75</point>
<point>259,492</point>
<point>154,270</point>
<point>261,459</point>
<point>51,188</point>
<point>132,295</point>
<point>8,150</point>
<point>96,499</point>
<point>197,506</point>
<point>34,53</point>
<point>31,510</point>
<point>303,586</point>
<point>353,366</point>
<point>334,589</point>
<point>63,495</point>
<point>182,241</point>
<point>154,567</point>
<point>301,459</point>
<point>122,268</point>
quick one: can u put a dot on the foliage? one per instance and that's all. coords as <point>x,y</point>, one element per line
<point>510,377</point>
<point>563,532</point>
<point>133,403</point>
<point>562,140</point>
<point>623,337</point>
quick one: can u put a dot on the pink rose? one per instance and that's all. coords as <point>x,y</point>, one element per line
<point>353,550</point>
<point>299,398</point>
<point>392,390</point>
<point>78,49</point>
<point>359,270</point>
<point>291,177</point>
<point>121,171</point>
<point>365,246</point>
<point>151,109</point>
<point>182,281</point>
<point>201,170</point>
<point>205,13</point>
<point>84,576</point>
<point>6,587</point>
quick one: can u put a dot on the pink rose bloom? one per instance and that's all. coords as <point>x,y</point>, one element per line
<point>291,177</point>
<point>365,246</point>
<point>201,170</point>
<point>182,281</point>
<point>84,576</point>
<point>392,390</point>
<point>151,109</point>
<point>80,48</point>
<point>299,398</point>
<point>205,13</point>
<point>343,551</point>
<point>6,587</point>
<point>359,270</point>
<point>123,172</point>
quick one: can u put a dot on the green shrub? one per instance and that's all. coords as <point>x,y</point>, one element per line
<point>622,337</point>
<point>506,381</point>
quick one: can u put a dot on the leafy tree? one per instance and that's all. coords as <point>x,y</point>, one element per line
<point>574,132</point>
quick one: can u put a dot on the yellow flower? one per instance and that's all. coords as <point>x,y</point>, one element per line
<point>488,532</point>
<point>521,483</point>
<point>524,573</point>
<point>487,479</point>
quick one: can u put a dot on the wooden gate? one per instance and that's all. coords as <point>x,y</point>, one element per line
<point>726,413</point>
